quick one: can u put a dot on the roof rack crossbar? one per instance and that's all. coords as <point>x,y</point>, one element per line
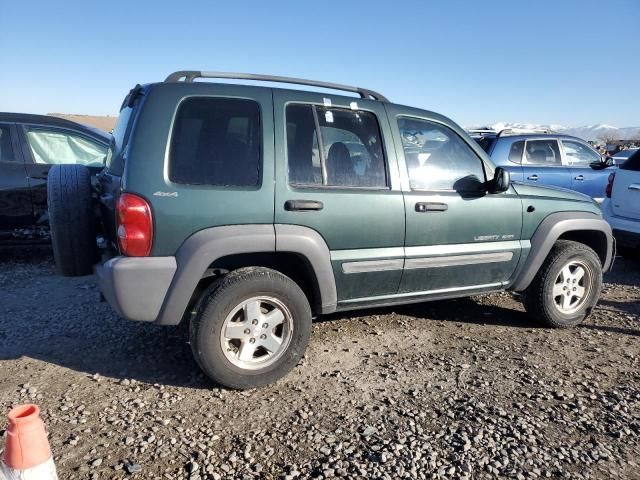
<point>191,75</point>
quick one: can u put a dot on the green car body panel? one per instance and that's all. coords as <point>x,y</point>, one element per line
<point>381,248</point>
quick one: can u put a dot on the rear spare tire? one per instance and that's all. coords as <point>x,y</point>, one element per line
<point>71,219</point>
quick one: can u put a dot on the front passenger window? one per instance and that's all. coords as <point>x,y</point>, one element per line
<point>578,154</point>
<point>56,147</point>
<point>438,159</point>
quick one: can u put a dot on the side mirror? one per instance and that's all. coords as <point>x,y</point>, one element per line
<point>602,164</point>
<point>501,181</point>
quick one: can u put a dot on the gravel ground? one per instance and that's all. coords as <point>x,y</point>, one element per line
<point>468,388</point>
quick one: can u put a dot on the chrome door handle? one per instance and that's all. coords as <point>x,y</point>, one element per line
<point>579,178</point>
<point>425,207</point>
<point>533,177</point>
<point>634,186</point>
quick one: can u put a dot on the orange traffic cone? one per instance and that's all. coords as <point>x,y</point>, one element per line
<point>27,455</point>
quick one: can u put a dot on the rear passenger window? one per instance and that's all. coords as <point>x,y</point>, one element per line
<point>216,141</point>
<point>515,153</point>
<point>6,149</point>
<point>347,152</point>
<point>542,152</point>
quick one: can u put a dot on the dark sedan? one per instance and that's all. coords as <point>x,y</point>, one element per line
<point>29,146</point>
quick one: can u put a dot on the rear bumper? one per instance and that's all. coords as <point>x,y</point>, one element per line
<point>136,287</point>
<point>626,230</point>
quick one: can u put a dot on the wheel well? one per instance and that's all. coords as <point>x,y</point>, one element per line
<point>293,265</point>
<point>594,239</point>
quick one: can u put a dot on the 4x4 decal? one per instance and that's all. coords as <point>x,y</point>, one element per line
<point>165,194</point>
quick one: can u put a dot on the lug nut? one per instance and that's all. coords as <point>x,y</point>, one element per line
<point>263,337</point>
<point>265,325</point>
<point>254,321</point>
<point>252,340</point>
<point>247,331</point>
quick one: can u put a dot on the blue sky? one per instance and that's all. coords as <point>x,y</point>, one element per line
<point>570,62</point>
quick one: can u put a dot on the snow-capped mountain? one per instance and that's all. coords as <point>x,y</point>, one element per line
<point>586,132</point>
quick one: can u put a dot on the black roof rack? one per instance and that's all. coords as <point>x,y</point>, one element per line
<point>191,75</point>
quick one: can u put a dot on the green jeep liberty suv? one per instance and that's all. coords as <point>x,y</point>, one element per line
<point>248,210</point>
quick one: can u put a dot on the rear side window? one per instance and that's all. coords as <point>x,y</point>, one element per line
<point>633,163</point>
<point>486,143</point>
<point>515,152</point>
<point>347,152</point>
<point>216,141</point>
<point>6,149</point>
<point>542,152</point>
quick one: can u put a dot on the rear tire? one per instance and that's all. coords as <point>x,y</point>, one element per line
<point>251,329</point>
<point>567,286</point>
<point>71,219</point>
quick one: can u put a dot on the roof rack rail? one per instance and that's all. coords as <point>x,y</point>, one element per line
<point>191,75</point>
<point>481,131</point>
<point>524,131</point>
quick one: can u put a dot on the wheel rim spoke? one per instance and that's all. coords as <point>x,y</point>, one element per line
<point>235,330</point>
<point>252,310</point>
<point>272,343</point>
<point>579,292</point>
<point>246,351</point>
<point>274,318</point>
<point>558,289</point>
<point>566,301</point>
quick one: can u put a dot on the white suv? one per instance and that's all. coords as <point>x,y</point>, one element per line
<point>621,208</point>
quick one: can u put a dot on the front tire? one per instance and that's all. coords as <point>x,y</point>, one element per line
<point>251,329</point>
<point>567,286</point>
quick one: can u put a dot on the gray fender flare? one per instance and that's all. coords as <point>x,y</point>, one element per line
<point>310,244</point>
<point>200,250</point>
<point>548,232</point>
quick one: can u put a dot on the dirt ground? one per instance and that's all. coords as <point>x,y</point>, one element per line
<point>470,388</point>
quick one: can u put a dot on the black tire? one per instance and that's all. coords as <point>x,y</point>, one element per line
<point>221,300</point>
<point>71,219</point>
<point>538,298</point>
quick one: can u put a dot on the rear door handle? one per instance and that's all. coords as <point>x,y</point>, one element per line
<point>302,205</point>
<point>423,207</point>
<point>579,178</point>
<point>634,186</point>
<point>533,177</point>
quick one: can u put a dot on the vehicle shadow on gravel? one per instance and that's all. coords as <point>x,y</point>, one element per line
<point>465,310</point>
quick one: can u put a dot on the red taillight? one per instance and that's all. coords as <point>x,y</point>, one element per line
<point>607,191</point>
<point>135,225</point>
